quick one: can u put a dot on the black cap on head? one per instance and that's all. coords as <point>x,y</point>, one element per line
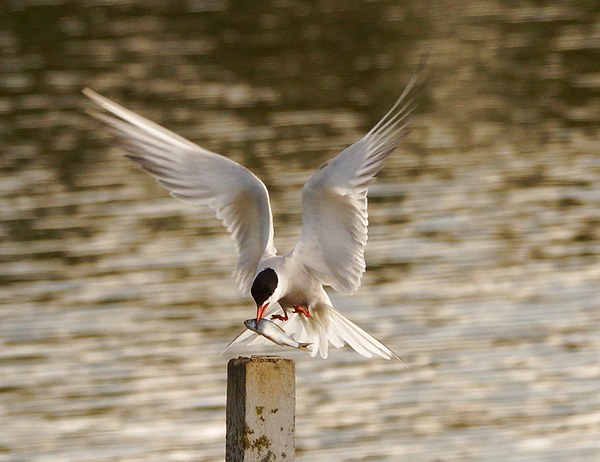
<point>264,285</point>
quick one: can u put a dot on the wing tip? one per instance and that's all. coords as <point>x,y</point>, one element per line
<point>87,91</point>
<point>94,96</point>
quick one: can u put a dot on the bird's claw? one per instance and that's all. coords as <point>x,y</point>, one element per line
<point>279,317</point>
<point>301,310</point>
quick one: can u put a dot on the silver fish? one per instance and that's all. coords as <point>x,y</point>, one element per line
<point>273,332</point>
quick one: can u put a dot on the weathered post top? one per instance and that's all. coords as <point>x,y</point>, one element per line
<point>261,402</point>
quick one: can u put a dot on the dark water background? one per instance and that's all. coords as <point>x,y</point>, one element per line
<point>483,259</point>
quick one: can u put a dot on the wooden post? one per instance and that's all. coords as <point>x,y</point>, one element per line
<point>261,403</point>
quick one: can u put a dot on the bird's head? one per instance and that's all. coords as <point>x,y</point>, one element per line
<point>263,290</point>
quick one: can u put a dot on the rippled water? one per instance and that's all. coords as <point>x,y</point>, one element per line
<point>483,259</point>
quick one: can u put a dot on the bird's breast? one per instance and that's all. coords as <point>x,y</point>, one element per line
<point>307,293</point>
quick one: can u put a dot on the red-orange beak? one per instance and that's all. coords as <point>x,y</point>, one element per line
<point>260,311</point>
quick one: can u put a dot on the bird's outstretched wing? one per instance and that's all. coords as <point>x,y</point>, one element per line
<point>334,200</point>
<point>197,176</point>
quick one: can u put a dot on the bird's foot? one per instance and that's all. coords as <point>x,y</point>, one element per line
<point>280,317</point>
<point>301,310</point>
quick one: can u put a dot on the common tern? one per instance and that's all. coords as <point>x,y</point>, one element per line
<point>330,250</point>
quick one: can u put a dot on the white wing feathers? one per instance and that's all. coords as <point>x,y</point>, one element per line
<point>197,176</point>
<point>334,201</point>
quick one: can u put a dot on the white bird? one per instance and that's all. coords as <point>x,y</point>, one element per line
<point>330,250</point>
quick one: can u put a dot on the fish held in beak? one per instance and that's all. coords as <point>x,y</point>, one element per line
<point>273,332</point>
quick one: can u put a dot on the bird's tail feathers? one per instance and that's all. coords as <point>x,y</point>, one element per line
<point>357,338</point>
<point>327,326</point>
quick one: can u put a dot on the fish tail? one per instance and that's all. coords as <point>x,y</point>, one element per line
<point>304,346</point>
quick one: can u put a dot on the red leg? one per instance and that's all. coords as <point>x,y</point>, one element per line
<point>280,317</point>
<point>301,310</point>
